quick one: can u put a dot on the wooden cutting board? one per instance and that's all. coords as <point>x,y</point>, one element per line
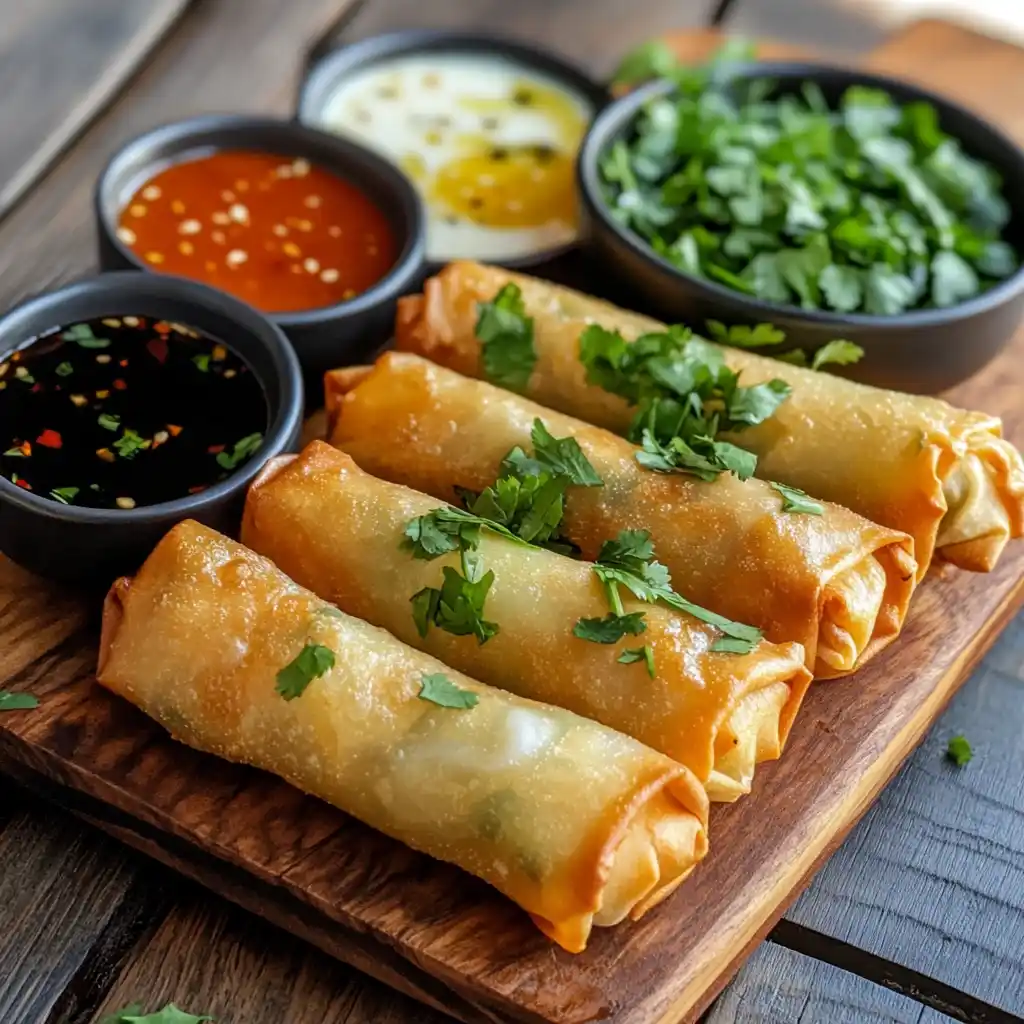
<point>440,935</point>
<point>61,62</point>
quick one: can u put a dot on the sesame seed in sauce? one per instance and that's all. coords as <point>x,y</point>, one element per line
<point>305,225</point>
<point>129,321</point>
<point>20,371</point>
<point>190,227</point>
<point>219,237</point>
<point>161,437</point>
<point>137,210</point>
<point>313,202</point>
<point>348,293</point>
<point>126,235</point>
<point>125,502</point>
<point>111,322</point>
<point>103,358</point>
<point>228,374</point>
<point>311,265</point>
<point>301,168</point>
<point>239,213</point>
<point>220,217</point>
<point>78,400</point>
<point>154,257</point>
<point>186,248</point>
<point>334,231</point>
<point>329,276</point>
<point>177,206</point>
<point>151,193</point>
<point>284,171</point>
<point>291,249</point>
<point>280,230</point>
<point>236,257</point>
<point>228,196</point>
<point>296,268</point>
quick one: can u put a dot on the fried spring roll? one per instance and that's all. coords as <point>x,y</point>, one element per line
<point>576,823</point>
<point>835,583</point>
<point>917,464</point>
<point>338,531</point>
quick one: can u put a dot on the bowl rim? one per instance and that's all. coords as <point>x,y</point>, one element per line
<point>617,116</point>
<point>285,416</point>
<point>326,68</point>
<point>189,134</point>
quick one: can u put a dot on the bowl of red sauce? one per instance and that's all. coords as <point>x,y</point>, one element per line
<point>129,402</point>
<point>316,232</point>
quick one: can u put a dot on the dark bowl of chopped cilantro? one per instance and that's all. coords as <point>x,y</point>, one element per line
<point>129,402</point>
<point>830,203</point>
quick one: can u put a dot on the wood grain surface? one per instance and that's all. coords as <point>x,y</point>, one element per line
<point>778,986</point>
<point>218,960</point>
<point>595,35</point>
<point>418,925</point>
<point>64,60</point>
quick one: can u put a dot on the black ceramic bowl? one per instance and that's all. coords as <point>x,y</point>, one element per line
<point>328,69</point>
<point>923,350</point>
<point>323,338</point>
<point>90,546</point>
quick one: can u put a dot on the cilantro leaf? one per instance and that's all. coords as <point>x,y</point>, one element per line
<point>653,59</point>
<point>959,751</point>
<point>313,661</point>
<point>644,654</point>
<point>506,339</point>
<point>170,1014</point>
<point>457,606</point>
<point>563,456</point>
<point>129,444</point>
<point>866,205</point>
<point>795,500</point>
<point>437,688</point>
<point>702,458</point>
<point>745,336</point>
<point>611,628</point>
<point>838,351</point>
<point>82,335</point>
<point>240,451</point>
<point>17,701</point>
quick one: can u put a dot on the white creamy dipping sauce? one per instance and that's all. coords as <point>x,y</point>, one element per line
<point>490,143</point>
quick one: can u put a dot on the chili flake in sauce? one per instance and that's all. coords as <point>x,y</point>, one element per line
<point>126,411</point>
<point>280,233</point>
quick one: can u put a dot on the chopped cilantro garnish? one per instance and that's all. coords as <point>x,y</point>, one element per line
<point>439,689</point>
<point>959,750</point>
<point>64,370</point>
<point>563,456</point>
<point>129,444</point>
<point>17,452</point>
<point>17,701</point>
<point>866,206</point>
<point>684,396</point>
<point>170,1014</point>
<point>506,339</point>
<point>240,452</point>
<point>202,362</point>
<point>65,495</point>
<point>611,629</point>
<point>313,661</point>
<point>82,335</point>
<point>458,605</point>
<point>795,500</point>
<point>108,421</point>
<point>645,654</point>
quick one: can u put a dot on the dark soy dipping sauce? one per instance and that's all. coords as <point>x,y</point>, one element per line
<point>126,411</point>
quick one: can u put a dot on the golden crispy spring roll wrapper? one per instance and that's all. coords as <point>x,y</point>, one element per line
<point>338,531</point>
<point>917,464</point>
<point>578,824</point>
<point>836,583</point>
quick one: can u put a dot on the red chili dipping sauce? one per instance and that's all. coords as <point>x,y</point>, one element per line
<point>279,233</point>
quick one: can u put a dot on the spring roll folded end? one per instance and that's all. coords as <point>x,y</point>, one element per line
<point>984,496</point>
<point>113,615</point>
<point>337,384</point>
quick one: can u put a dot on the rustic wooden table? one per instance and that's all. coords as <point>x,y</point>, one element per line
<point>919,917</point>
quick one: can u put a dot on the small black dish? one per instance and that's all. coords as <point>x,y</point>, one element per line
<point>923,351</point>
<point>89,546</point>
<point>323,338</point>
<point>326,70</point>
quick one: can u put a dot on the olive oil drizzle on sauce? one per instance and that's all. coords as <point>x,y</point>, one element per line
<point>126,411</point>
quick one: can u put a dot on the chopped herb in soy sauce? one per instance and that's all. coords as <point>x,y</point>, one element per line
<point>126,411</point>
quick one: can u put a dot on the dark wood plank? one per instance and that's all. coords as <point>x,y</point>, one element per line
<point>778,986</point>
<point>842,28</point>
<point>61,62</point>
<point>216,959</point>
<point>594,34</point>
<point>67,895</point>
<point>933,878</point>
<point>222,56</point>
